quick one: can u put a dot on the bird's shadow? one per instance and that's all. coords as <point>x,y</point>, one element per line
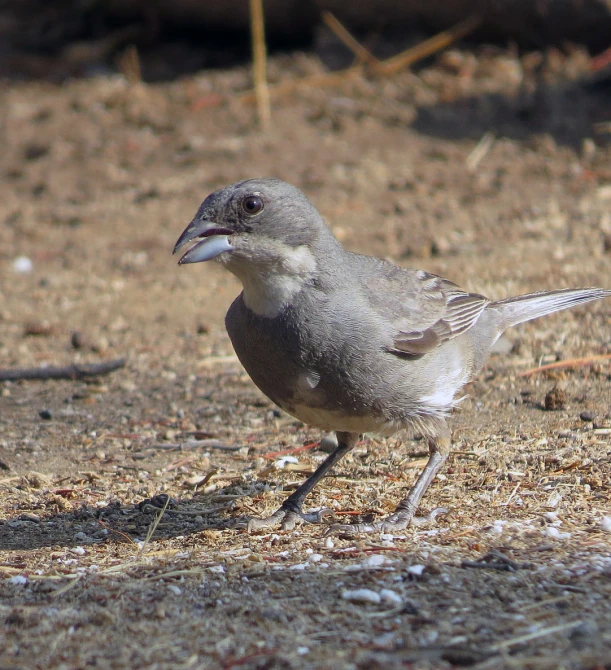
<point>568,112</point>
<point>117,523</point>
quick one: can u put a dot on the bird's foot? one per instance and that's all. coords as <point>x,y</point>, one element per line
<point>392,524</point>
<point>287,518</point>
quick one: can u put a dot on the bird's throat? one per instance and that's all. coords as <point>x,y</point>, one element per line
<point>271,284</point>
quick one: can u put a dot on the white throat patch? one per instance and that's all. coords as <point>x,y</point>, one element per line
<point>269,286</point>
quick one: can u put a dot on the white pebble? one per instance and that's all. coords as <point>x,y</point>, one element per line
<point>374,560</point>
<point>176,590</point>
<point>302,651</point>
<point>298,566</point>
<point>217,568</point>
<point>362,596</point>
<point>329,544</point>
<point>416,570</point>
<point>281,463</point>
<point>22,265</point>
<point>498,526</point>
<point>605,524</point>
<point>315,558</point>
<point>552,531</point>
<point>79,551</point>
<point>390,596</point>
<point>20,580</point>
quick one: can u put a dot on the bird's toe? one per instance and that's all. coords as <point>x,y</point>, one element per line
<point>286,518</point>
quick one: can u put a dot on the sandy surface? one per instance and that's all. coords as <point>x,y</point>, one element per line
<point>485,168</point>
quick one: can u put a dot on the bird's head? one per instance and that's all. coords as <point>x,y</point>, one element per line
<point>260,221</point>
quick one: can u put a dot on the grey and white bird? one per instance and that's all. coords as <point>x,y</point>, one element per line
<point>346,342</point>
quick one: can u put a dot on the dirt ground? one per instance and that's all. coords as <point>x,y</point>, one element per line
<point>488,168</point>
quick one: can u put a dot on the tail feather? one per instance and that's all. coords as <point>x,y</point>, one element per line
<point>533,305</point>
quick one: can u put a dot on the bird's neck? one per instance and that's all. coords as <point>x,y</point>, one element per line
<point>271,284</point>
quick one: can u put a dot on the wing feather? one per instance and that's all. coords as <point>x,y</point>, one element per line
<point>425,310</point>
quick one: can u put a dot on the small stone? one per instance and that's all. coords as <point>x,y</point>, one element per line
<point>362,596</point>
<point>37,329</point>
<point>202,329</point>
<point>328,444</point>
<point>390,596</point>
<point>586,415</point>
<point>45,414</point>
<point>374,561</point>
<point>555,399</point>
<point>77,340</point>
<point>22,265</point>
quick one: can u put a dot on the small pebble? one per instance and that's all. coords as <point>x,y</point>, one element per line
<point>390,596</point>
<point>587,416</point>
<point>328,444</point>
<point>374,561</point>
<point>555,399</point>
<point>605,524</point>
<point>416,570</point>
<point>362,596</point>
<point>22,265</point>
<point>77,340</point>
<point>552,531</point>
<point>45,414</point>
<point>19,580</point>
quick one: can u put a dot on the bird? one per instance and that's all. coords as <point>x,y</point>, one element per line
<point>347,342</point>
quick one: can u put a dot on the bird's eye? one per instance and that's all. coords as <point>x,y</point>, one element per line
<point>252,204</point>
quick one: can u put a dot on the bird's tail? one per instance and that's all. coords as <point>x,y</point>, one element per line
<point>533,305</point>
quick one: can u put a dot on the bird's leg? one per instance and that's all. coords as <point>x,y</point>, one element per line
<point>290,512</point>
<point>439,449</point>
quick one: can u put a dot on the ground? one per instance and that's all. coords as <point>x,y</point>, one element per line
<point>489,168</point>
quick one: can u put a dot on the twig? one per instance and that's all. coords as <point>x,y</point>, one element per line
<point>313,81</point>
<point>149,508</point>
<point>506,644</point>
<point>259,62</point>
<point>511,497</point>
<point>195,444</point>
<point>69,372</point>
<point>66,587</point>
<point>480,150</point>
<point>153,527</point>
<point>429,47</point>
<point>386,67</point>
<point>294,450</point>
<point>570,363</point>
<point>361,53</point>
<point>129,64</point>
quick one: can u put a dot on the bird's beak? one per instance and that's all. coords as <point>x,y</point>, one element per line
<point>214,241</point>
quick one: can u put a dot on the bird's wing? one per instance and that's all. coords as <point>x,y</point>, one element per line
<point>425,310</point>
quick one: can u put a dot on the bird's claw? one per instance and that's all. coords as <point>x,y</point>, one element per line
<point>286,518</point>
<point>353,529</point>
<point>392,524</point>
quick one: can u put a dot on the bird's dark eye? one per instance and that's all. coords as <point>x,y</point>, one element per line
<point>252,204</point>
